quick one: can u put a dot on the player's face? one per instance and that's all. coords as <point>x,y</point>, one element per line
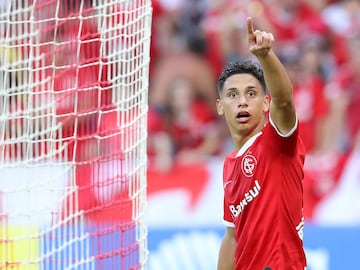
<point>244,104</point>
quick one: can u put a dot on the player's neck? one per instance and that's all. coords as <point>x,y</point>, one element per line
<point>240,139</point>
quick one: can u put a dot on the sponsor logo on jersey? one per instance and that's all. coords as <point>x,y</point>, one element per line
<point>248,165</point>
<point>249,196</point>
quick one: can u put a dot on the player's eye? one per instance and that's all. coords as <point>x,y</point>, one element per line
<point>251,93</point>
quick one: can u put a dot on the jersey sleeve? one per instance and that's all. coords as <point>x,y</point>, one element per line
<point>287,143</point>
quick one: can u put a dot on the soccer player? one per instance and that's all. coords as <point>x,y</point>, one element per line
<point>262,177</point>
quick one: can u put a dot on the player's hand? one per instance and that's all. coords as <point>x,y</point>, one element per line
<point>260,42</point>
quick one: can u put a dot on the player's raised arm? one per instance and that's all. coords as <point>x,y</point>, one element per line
<point>282,110</point>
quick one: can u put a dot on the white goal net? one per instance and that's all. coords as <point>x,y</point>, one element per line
<point>73,113</point>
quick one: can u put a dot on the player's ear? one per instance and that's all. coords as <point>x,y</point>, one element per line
<point>266,103</point>
<point>219,107</point>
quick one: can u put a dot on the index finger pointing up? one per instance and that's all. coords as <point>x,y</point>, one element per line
<point>250,26</point>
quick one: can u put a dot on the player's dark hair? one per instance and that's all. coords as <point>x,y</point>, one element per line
<point>241,67</point>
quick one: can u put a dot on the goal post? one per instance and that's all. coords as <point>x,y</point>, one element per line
<point>73,132</point>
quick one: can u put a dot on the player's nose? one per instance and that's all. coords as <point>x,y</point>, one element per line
<point>242,101</point>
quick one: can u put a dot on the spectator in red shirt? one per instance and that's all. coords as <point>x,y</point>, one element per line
<point>191,132</point>
<point>343,91</point>
<point>341,130</point>
<point>282,15</point>
<point>342,19</point>
<point>304,69</point>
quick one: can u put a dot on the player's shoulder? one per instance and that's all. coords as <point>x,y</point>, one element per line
<point>270,128</point>
<point>287,144</point>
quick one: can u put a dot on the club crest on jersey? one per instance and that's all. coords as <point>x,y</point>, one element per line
<point>248,165</point>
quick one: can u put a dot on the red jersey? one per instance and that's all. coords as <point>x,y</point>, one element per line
<point>263,201</point>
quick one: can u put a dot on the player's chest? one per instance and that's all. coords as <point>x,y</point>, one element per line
<point>243,175</point>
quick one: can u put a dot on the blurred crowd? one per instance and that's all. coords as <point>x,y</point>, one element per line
<point>319,44</point>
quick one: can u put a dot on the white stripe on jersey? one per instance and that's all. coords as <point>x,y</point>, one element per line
<point>300,228</point>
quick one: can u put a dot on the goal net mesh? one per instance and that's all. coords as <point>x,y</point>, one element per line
<point>73,114</point>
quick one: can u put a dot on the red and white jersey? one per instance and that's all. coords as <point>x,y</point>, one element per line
<point>263,201</point>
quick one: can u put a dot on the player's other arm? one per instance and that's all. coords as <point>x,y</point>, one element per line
<point>227,251</point>
<point>282,109</point>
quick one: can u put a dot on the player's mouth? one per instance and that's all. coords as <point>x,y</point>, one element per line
<point>243,117</point>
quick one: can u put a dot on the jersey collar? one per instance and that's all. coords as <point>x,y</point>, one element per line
<point>248,144</point>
